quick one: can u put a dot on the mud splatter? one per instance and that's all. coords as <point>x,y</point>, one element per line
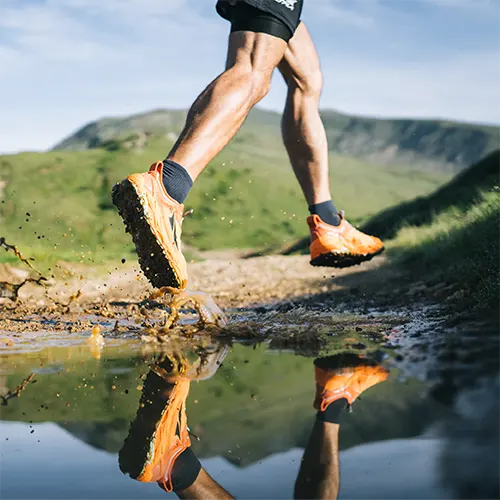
<point>208,311</point>
<point>18,254</point>
<point>96,342</point>
<point>65,308</point>
<point>11,290</point>
<point>15,393</point>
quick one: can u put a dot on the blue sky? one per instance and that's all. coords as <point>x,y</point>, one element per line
<point>66,62</point>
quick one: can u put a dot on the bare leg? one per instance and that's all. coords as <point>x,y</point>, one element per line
<point>222,107</point>
<point>319,471</point>
<point>204,487</point>
<point>303,131</point>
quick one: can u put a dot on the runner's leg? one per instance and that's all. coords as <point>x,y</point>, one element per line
<point>319,475</point>
<point>204,487</point>
<point>303,131</point>
<point>222,107</point>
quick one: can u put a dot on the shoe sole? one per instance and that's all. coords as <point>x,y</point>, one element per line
<point>342,260</point>
<point>152,257</point>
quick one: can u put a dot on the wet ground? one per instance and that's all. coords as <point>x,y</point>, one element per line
<point>68,405</point>
<point>75,357</point>
<point>252,418</point>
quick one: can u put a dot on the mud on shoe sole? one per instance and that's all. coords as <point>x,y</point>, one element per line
<point>342,260</point>
<point>152,258</point>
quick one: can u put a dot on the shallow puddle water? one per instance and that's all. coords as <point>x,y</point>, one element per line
<point>66,417</point>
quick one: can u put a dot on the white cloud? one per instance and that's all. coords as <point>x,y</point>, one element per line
<point>466,87</point>
<point>465,4</point>
<point>66,62</point>
<point>338,12</point>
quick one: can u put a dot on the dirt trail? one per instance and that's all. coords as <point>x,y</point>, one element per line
<point>243,282</point>
<point>280,299</point>
<point>257,293</point>
<point>233,282</point>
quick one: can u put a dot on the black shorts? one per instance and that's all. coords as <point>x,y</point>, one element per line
<point>275,17</point>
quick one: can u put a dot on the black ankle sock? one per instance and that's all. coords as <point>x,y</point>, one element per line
<point>333,412</point>
<point>185,471</point>
<point>327,211</point>
<point>176,180</point>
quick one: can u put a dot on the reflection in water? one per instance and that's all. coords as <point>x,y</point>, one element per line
<point>253,412</point>
<point>340,379</point>
<point>470,462</point>
<point>15,393</point>
<point>158,447</point>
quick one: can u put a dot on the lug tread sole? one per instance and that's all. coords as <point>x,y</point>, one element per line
<point>153,259</point>
<point>339,260</point>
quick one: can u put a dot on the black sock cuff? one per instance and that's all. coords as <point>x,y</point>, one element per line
<point>176,180</point>
<point>313,209</point>
<point>326,211</point>
<point>334,411</point>
<point>185,471</point>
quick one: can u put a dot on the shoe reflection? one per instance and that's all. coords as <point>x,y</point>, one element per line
<point>340,379</point>
<point>158,446</point>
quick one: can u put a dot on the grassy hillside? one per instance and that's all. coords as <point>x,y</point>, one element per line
<point>447,239</point>
<point>439,145</point>
<point>462,192</point>
<point>459,247</point>
<point>57,205</point>
<point>436,143</point>
<point>451,236</point>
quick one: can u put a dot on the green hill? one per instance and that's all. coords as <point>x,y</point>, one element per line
<point>449,239</point>
<point>462,192</point>
<point>57,205</point>
<point>436,144</point>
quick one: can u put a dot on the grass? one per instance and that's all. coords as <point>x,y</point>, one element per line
<point>462,192</point>
<point>57,206</point>
<point>451,236</point>
<point>458,247</point>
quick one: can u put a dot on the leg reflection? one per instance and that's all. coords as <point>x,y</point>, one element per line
<point>158,446</point>
<point>340,379</point>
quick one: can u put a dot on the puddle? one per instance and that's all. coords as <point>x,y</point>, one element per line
<point>90,389</point>
<point>250,414</point>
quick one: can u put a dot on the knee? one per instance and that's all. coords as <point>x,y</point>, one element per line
<point>255,82</point>
<point>310,84</point>
<point>261,84</point>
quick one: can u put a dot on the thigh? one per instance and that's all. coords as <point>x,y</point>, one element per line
<point>278,18</point>
<point>255,51</point>
<point>300,61</point>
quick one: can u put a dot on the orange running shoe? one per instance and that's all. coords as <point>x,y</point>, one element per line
<point>346,382</point>
<point>159,433</point>
<point>154,219</point>
<point>340,246</point>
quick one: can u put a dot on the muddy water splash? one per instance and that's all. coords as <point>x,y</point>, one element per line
<point>15,393</point>
<point>11,290</point>
<point>18,254</point>
<point>96,342</point>
<point>208,311</point>
<point>169,313</point>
